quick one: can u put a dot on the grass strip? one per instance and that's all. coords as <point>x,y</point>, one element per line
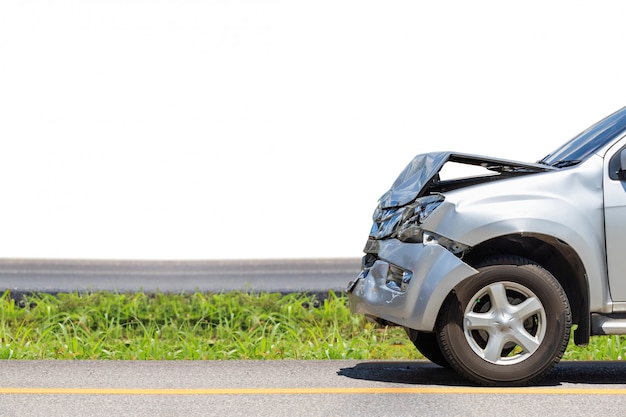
<point>195,326</point>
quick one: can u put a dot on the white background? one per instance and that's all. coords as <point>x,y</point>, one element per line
<point>182,129</point>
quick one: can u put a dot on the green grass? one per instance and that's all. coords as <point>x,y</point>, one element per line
<point>208,326</point>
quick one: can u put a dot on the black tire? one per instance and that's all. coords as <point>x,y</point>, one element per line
<point>428,345</point>
<point>507,325</point>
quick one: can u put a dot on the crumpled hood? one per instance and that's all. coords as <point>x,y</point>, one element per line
<point>414,179</point>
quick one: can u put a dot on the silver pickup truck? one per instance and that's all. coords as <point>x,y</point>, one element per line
<point>488,270</point>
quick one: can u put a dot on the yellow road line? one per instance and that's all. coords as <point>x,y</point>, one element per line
<point>309,391</point>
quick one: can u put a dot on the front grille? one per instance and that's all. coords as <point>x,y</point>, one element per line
<point>386,222</point>
<point>371,246</point>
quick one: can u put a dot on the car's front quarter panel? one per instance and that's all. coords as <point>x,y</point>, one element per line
<point>566,205</point>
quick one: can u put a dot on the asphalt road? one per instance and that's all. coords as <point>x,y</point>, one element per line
<point>280,275</point>
<point>296,388</point>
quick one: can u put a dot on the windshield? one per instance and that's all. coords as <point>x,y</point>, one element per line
<point>589,141</point>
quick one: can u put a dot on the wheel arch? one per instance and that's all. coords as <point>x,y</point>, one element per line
<point>555,256</point>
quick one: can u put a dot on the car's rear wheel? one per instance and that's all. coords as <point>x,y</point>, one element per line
<point>507,325</point>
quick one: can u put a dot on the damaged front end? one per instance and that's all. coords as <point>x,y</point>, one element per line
<point>403,284</point>
<point>408,269</point>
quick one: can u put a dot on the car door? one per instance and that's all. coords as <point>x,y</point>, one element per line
<point>615,221</point>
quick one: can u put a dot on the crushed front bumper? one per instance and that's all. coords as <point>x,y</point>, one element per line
<point>430,272</point>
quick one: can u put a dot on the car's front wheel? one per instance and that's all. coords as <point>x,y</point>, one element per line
<point>428,346</point>
<point>508,325</point>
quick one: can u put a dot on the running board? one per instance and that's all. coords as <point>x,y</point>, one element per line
<point>608,325</point>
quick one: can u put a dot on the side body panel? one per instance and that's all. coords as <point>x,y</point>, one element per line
<point>615,222</point>
<point>567,205</point>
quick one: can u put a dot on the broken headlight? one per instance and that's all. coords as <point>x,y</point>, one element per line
<point>409,228</point>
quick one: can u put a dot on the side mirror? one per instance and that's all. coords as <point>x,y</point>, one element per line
<point>621,172</point>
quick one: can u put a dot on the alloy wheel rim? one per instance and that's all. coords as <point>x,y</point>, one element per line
<point>504,323</point>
